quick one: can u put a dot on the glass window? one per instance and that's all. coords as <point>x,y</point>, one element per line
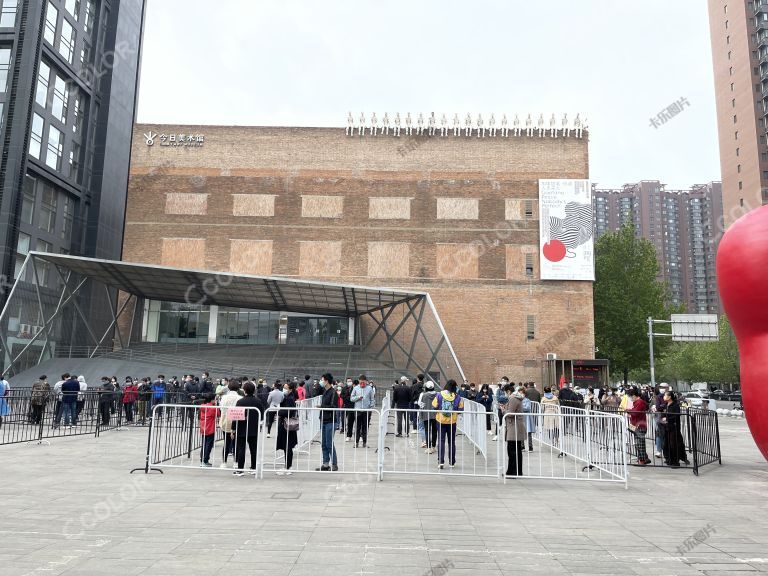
<point>73,7</point>
<point>530,328</point>
<point>28,200</point>
<point>51,16</point>
<point>77,123</point>
<point>36,138</point>
<point>67,40</point>
<point>48,202</point>
<point>22,249</point>
<point>55,147</point>
<point>74,162</point>
<point>43,74</point>
<point>90,15</point>
<point>8,13</point>
<point>5,64</point>
<point>68,218</point>
<point>60,99</point>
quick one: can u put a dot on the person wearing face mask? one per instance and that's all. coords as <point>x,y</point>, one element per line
<point>638,425</point>
<point>550,408</point>
<point>274,399</point>
<point>514,420</point>
<point>610,399</point>
<point>349,407</point>
<point>287,439</point>
<point>363,398</point>
<point>328,417</point>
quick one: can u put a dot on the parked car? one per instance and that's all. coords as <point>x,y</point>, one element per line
<point>734,397</point>
<point>694,399</point>
<point>718,395</point>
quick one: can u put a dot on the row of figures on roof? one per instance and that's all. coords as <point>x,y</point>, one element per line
<point>477,127</point>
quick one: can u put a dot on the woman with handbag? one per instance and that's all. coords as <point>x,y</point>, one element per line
<point>287,426</point>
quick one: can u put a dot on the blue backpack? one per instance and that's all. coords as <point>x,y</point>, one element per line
<point>449,406</point>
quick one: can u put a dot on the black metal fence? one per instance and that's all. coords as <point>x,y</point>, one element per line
<point>31,416</point>
<point>688,439</point>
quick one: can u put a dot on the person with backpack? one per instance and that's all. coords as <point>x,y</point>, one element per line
<point>427,418</point>
<point>449,403</point>
<point>501,397</point>
<point>41,391</point>
<point>130,394</point>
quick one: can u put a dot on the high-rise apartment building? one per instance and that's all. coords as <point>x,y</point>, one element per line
<point>69,74</point>
<point>684,226</point>
<point>739,32</point>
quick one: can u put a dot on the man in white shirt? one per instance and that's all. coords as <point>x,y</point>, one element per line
<point>273,401</point>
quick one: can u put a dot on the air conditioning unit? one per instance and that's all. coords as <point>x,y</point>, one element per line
<point>25,329</point>
<point>551,356</point>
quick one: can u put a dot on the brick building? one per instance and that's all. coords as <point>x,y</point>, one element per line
<point>453,216</point>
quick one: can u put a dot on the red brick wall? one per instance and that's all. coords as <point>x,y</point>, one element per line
<point>483,313</point>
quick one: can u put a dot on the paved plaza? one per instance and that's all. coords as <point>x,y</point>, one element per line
<point>72,508</point>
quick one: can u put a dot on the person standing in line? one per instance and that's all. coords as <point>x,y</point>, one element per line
<point>674,447</point>
<point>515,432</point>
<point>658,408</point>
<point>502,397</point>
<point>227,400</point>
<point>417,387</point>
<point>485,397</point>
<point>69,391</point>
<point>106,391</point>
<point>402,401</point>
<point>307,385</point>
<point>427,418</point>
<point>638,425</point>
<point>247,431</point>
<point>301,392</point>
<point>328,416</point>
<point>58,410</point>
<point>130,394</point>
<point>144,399</point>
<point>208,416</point>
<point>274,399</point>
<point>610,400</point>
<point>349,407</point>
<point>550,409</point>
<point>41,391</point>
<point>158,393</point>
<point>80,404</point>
<point>363,398</point>
<point>449,403</point>
<point>5,392</point>
<point>287,435</point>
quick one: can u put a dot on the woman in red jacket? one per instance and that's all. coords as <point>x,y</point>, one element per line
<point>638,424</point>
<point>130,395</point>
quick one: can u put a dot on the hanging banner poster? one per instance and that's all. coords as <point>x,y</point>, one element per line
<point>566,244</point>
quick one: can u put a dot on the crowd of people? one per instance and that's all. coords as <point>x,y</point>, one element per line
<point>422,408</point>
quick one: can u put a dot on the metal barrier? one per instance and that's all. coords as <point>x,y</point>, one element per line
<point>441,451</point>
<point>341,453</point>
<point>564,443</point>
<point>187,437</point>
<point>472,424</point>
<point>692,440</point>
<point>309,428</point>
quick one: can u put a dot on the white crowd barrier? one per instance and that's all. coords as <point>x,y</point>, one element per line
<point>472,424</point>
<point>567,444</point>
<point>554,442</point>
<point>436,448</point>
<point>309,428</point>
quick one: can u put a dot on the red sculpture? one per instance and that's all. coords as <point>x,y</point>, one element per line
<point>742,276</point>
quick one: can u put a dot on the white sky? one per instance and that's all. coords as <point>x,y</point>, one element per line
<point>308,62</point>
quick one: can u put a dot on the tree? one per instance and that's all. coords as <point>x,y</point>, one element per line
<point>626,294</point>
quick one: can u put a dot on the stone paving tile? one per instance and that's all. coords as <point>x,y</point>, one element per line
<point>207,522</point>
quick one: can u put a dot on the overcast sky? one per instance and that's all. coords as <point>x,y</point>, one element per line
<point>306,63</point>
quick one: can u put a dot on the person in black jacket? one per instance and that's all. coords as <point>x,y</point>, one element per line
<point>402,400</point>
<point>349,406</point>
<point>247,431</point>
<point>328,416</point>
<point>287,439</point>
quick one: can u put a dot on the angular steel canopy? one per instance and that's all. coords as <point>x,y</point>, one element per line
<point>233,290</point>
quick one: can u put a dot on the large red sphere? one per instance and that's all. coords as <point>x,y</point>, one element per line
<point>742,276</point>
